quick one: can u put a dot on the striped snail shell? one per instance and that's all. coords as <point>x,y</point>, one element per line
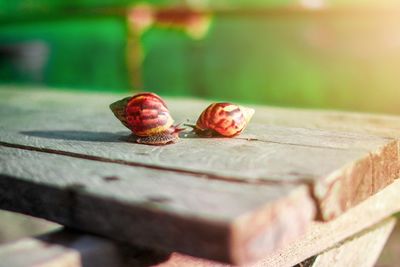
<point>223,119</point>
<point>148,117</point>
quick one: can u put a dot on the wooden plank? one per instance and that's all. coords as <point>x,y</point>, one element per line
<point>221,220</point>
<point>317,238</point>
<point>66,248</point>
<point>321,235</point>
<point>62,249</point>
<point>341,167</point>
<point>352,122</point>
<point>362,249</point>
<point>74,249</point>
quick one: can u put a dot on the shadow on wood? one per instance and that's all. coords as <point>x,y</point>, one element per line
<point>92,136</point>
<point>122,254</point>
<point>86,136</point>
<point>73,248</point>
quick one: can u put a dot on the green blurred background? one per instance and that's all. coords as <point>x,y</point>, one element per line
<point>336,54</point>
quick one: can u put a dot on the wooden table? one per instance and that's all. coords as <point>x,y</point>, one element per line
<point>277,194</point>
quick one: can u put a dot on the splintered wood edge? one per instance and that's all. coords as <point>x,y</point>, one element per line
<point>357,181</point>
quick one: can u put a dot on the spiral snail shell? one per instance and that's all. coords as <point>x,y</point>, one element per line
<point>148,117</point>
<point>223,119</point>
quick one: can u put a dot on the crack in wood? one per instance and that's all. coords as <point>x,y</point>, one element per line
<point>291,144</point>
<point>315,200</point>
<point>204,175</point>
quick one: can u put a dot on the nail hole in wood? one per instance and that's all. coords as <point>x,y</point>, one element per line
<point>158,199</point>
<point>111,178</point>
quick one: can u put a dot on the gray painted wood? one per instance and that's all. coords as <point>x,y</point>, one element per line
<point>171,211</point>
<point>342,166</point>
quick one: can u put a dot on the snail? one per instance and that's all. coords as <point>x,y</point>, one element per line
<point>223,119</point>
<point>148,117</point>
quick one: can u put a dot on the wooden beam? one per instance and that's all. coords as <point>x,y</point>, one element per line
<point>323,235</point>
<point>342,165</point>
<point>170,211</point>
<point>362,249</point>
<point>317,238</point>
<point>66,248</point>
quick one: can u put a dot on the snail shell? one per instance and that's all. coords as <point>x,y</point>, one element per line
<point>147,116</point>
<point>224,119</point>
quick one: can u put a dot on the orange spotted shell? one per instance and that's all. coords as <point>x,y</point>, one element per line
<point>148,117</point>
<point>224,119</point>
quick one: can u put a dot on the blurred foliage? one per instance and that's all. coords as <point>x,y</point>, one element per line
<point>77,52</point>
<point>11,8</point>
<point>262,51</point>
<point>345,61</point>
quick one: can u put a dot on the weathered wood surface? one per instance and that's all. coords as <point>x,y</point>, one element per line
<point>320,235</point>
<point>66,248</point>
<point>362,249</point>
<point>342,164</point>
<point>171,211</point>
<point>241,195</point>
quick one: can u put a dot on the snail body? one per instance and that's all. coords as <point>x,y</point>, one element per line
<point>223,119</point>
<point>148,117</point>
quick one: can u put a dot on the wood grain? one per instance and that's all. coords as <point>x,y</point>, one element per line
<point>170,211</point>
<point>343,165</point>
